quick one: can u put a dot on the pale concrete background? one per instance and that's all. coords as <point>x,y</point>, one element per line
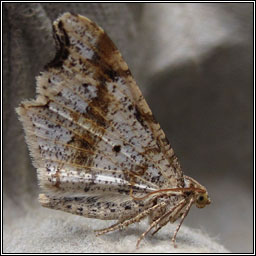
<point>45,231</point>
<point>194,64</point>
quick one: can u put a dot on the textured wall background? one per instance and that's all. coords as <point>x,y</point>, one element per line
<point>194,63</point>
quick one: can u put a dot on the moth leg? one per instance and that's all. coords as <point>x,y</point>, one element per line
<point>137,218</point>
<point>108,229</point>
<point>162,224</point>
<point>181,221</point>
<point>157,229</point>
<point>158,220</point>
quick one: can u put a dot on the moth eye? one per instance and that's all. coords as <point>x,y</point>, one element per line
<point>201,198</point>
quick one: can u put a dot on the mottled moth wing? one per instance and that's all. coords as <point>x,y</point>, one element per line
<point>90,129</point>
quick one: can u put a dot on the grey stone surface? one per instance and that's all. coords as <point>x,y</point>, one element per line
<point>194,64</point>
<point>43,230</point>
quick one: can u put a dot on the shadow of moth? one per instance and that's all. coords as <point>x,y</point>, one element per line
<point>97,148</point>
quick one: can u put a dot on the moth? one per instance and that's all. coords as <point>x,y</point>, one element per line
<point>97,148</point>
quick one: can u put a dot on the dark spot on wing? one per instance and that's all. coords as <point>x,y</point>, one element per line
<point>62,43</point>
<point>130,107</point>
<point>65,36</point>
<point>111,74</point>
<point>105,46</point>
<point>127,207</point>
<point>117,148</point>
<point>86,189</point>
<point>144,118</point>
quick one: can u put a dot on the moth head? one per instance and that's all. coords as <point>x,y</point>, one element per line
<point>199,192</point>
<point>202,199</point>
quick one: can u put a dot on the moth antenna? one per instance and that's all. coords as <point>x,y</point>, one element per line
<point>167,190</point>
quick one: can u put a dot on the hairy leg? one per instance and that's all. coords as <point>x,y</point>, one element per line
<point>181,221</point>
<point>158,220</point>
<point>162,224</point>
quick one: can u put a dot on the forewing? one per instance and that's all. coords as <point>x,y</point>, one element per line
<point>90,128</point>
